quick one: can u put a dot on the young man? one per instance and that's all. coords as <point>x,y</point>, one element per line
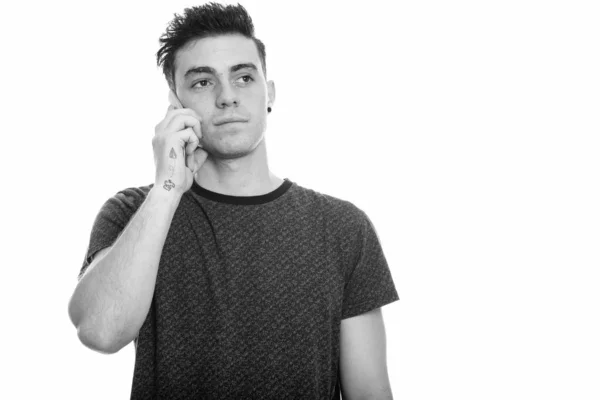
<point>232,282</point>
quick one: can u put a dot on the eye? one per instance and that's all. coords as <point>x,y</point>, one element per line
<point>201,83</point>
<point>247,78</point>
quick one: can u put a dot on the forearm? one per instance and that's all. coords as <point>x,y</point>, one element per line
<point>113,298</point>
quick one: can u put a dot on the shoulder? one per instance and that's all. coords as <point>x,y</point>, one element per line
<point>129,199</point>
<point>335,210</point>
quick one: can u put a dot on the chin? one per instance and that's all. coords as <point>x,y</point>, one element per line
<point>231,147</point>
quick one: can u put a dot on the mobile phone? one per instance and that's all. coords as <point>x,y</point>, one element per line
<point>174,100</point>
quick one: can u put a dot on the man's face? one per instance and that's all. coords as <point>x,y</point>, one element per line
<point>221,77</point>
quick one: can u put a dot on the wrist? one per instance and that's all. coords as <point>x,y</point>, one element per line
<point>165,192</point>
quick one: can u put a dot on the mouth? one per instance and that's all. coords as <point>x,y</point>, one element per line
<point>229,123</point>
<point>229,120</point>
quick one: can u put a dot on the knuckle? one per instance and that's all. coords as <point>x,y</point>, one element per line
<point>158,139</point>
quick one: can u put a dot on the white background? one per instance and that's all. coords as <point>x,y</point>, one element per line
<point>466,130</point>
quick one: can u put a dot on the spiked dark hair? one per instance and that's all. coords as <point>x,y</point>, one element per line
<point>208,20</point>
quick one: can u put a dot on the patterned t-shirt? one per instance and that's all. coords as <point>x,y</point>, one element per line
<point>250,292</point>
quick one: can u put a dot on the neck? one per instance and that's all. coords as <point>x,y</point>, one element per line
<point>245,176</point>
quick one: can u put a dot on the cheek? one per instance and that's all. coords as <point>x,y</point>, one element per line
<point>204,128</point>
<point>260,126</point>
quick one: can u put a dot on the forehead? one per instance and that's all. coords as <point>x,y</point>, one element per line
<point>218,52</point>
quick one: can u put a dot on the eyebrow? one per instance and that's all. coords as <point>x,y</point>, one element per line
<point>210,70</point>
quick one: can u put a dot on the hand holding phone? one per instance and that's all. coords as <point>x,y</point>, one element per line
<point>177,151</point>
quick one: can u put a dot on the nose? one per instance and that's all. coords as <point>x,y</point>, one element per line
<point>227,96</point>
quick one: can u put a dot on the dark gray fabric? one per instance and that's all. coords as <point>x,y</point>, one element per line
<point>250,292</point>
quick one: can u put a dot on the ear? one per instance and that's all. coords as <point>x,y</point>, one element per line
<point>271,93</point>
<point>174,100</point>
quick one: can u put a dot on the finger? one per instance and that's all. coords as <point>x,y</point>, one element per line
<point>187,111</point>
<point>172,112</point>
<point>196,160</point>
<point>168,115</point>
<point>189,161</point>
<point>182,121</point>
<point>190,140</point>
<point>169,109</point>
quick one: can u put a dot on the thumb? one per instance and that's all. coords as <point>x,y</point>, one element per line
<point>196,159</point>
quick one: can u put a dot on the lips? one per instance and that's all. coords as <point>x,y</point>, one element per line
<point>229,119</point>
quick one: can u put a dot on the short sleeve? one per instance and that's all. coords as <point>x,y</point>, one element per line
<point>370,284</point>
<point>113,217</point>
